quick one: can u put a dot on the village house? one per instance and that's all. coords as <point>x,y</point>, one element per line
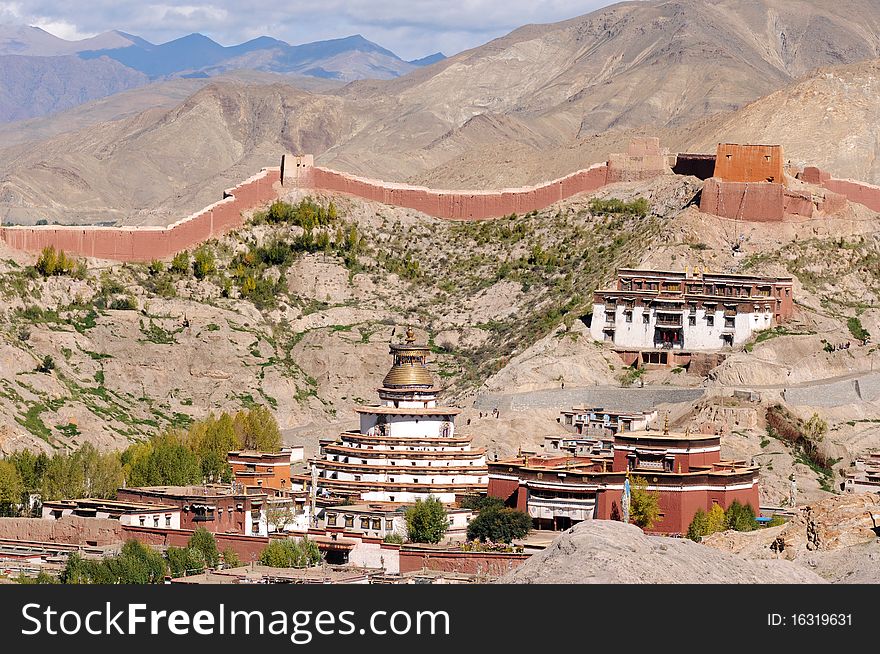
<point>132,514</point>
<point>219,508</point>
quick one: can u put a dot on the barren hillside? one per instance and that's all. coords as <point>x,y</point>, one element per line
<point>829,119</point>
<point>158,166</point>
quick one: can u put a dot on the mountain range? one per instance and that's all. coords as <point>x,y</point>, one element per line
<point>42,74</point>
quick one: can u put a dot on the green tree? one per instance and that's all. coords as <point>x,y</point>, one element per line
<point>394,538</point>
<point>11,489</point>
<point>86,472</point>
<point>257,429</point>
<point>500,525</point>
<point>279,516</point>
<point>211,440</point>
<point>203,542</point>
<point>204,263</point>
<point>426,521</point>
<point>47,365</point>
<point>699,526</point>
<point>230,558</point>
<point>164,460</point>
<point>740,517</point>
<point>716,519</point>
<point>290,553</point>
<point>815,428</point>
<point>183,561</point>
<point>31,468</point>
<point>180,263</point>
<point>52,262</point>
<point>644,506</point>
<point>135,564</point>
<point>43,578</point>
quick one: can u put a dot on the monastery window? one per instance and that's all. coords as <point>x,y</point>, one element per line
<point>365,523</point>
<point>646,318</point>
<point>357,477</point>
<point>142,520</point>
<point>331,519</point>
<point>729,322</point>
<point>167,520</point>
<point>391,498</point>
<point>155,521</point>
<point>349,521</point>
<point>710,321</point>
<point>389,525</point>
<point>377,524</point>
<point>692,321</point>
<point>627,314</point>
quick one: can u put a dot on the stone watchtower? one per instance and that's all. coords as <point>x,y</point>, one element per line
<point>297,170</point>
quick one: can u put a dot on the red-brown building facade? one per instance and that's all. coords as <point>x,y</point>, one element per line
<point>685,469</point>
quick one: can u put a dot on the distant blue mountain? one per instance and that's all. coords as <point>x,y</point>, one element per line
<point>427,61</point>
<point>196,55</point>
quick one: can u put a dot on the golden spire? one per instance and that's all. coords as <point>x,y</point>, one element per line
<point>409,364</point>
<point>666,424</point>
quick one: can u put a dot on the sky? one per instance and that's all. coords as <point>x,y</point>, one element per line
<point>411,28</point>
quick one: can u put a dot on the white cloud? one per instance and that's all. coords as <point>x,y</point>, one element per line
<point>62,29</point>
<point>412,28</point>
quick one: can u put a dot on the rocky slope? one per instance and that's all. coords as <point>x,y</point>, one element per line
<point>827,119</point>
<point>610,552</point>
<point>157,166</point>
<point>836,537</point>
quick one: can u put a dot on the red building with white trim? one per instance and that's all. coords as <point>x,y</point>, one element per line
<point>685,469</point>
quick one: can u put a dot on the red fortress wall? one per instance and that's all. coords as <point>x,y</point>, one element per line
<point>459,205</point>
<point>148,243</point>
<point>643,160</point>
<point>860,192</point>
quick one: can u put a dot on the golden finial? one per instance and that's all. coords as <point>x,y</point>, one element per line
<point>410,335</point>
<point>666,424</point>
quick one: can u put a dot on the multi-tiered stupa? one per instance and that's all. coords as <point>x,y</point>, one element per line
<point>406,448</point>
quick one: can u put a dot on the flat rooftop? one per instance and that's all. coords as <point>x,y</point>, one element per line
<point>267,574</point>
<point>109,505</point>
<point>403,411</point>
<point>208,490</point>
<point>659,435</point>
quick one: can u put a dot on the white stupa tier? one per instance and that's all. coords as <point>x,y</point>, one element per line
<point>406,448</point>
